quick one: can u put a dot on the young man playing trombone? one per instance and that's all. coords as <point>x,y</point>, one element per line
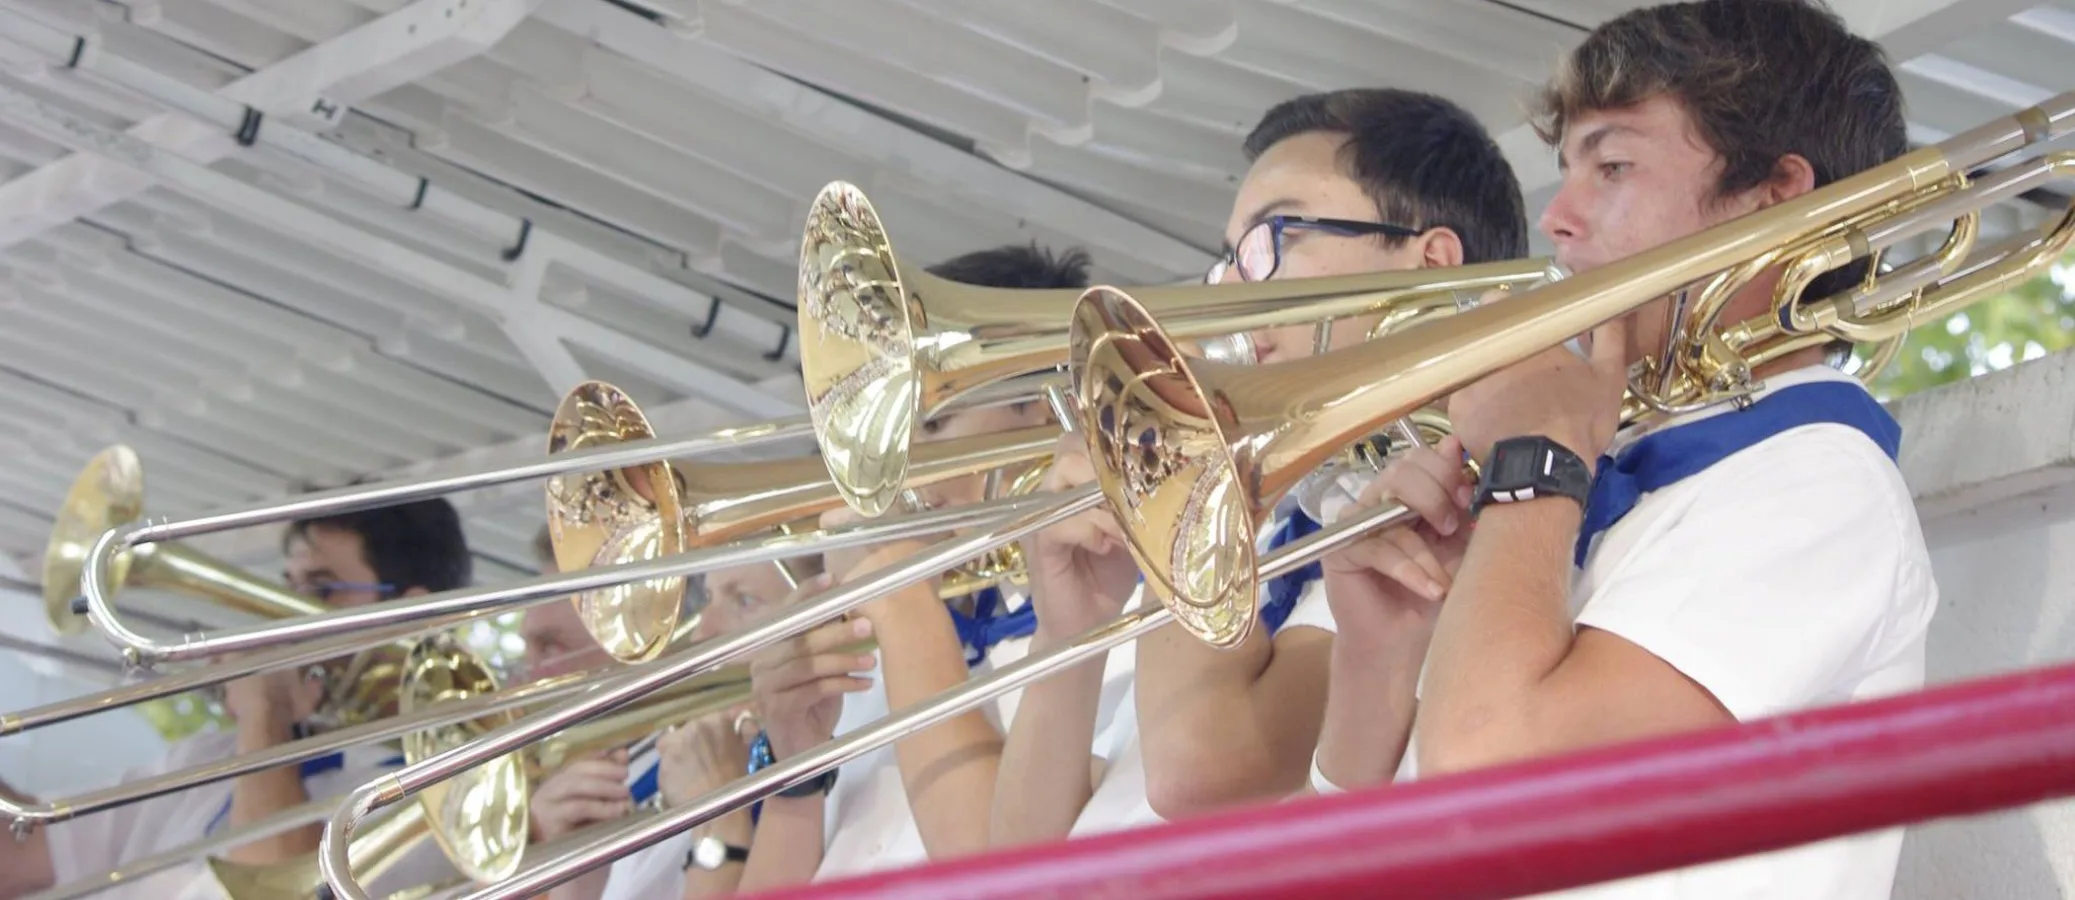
<point>1341,183</point>
<point>1721,566</point>
<point>928,796</point>
<point>341,561</point>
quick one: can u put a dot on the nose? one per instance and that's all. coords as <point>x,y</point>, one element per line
<point>1560,221</point>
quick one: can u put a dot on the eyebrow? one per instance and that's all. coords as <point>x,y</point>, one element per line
<point>1591,141</point>
<point>1260,215</point>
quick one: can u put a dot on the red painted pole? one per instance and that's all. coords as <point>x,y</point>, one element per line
<point>1580,819</point>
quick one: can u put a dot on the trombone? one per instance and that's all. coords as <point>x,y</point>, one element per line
<point>109,491</point>
<point>477,824</point>
<point>1192,455</point>
<point>884,344</point>
<point>661,508</point>
<point>798,769</point>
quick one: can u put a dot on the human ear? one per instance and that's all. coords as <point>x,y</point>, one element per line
<point>1440,248</point>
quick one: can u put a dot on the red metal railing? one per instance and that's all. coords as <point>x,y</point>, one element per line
<point>1580,819</point>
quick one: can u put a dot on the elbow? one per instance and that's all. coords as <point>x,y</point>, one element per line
<point>1446,745</point>
<point>1179,788</point>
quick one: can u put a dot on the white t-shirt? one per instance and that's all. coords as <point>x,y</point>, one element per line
<point>657,871</point>
<point>1119,801</point>
<point>1789,575</point>
<point>91,845</point>
<point>869,826</point>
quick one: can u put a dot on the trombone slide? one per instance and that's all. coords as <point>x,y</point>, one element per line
<point>798,769</point>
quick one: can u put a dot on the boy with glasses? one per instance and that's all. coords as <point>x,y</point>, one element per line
<point>1341,183</point>
<point>343,561</point>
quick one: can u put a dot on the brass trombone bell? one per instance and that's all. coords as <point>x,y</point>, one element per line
<point>884,344</point>
<point>660,508</point>
<point>108,492</point>
<point>479,819</point>
<point>1193,455</point>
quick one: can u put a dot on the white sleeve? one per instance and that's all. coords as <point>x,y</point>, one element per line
<point>653,873</point>
<point>1311,608</point>
<point>1794,564</point>
<point>90,845</point>
<point>93,844</point>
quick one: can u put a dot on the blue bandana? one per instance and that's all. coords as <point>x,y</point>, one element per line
<point>1661,459</point>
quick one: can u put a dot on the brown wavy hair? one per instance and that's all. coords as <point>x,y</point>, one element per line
<point>1759,79</point>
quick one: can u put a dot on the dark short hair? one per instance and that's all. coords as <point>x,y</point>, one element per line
<point>1018,266</point>
<point>411,545</point>
<point>1425,161</point>
<point>1759,79</point>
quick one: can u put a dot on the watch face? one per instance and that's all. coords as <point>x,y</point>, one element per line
<point>709,853</point>
<point>1515,468</point>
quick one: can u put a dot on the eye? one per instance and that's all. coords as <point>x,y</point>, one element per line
<point>1613,169</point>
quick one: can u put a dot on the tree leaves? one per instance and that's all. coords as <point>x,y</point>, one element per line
<point>2035,319</point>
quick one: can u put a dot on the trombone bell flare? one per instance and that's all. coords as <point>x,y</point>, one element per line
<point>614,515</point>
<point>479,819</point>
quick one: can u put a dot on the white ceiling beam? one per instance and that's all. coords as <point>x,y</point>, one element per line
<point>505,304</point>
<point>1910,28</point>
<point>961,177</point>
<point>413,196</point>
<point>310,86</point>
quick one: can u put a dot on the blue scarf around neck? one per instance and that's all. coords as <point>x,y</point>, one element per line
<point>1663,458</point>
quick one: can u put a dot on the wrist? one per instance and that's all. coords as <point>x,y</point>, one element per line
<point>264,727</point>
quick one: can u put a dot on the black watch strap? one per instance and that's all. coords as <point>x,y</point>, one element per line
<point>730,853</point>
<point>1526,468</point>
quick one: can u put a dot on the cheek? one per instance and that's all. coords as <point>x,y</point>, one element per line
<point>1348,332</point>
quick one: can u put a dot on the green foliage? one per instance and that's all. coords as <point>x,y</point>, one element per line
<point>182,715</point>
<point>2035,319</point>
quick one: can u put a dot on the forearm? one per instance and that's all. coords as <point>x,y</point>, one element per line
<point>588,886</point>
<point>1044,778</point>
<point>788,844</point>
<point>1195,710</point>
<point>1225,727</point>
<point>734,829</point>
<point>1503,632</point>
<point>262,794</point>
<point>1371,697</point>
<point>948,769</point>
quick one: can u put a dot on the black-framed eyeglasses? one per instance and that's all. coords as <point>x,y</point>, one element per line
<point>1258,255</point>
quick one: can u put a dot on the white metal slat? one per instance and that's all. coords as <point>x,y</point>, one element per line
<point>215,382</point>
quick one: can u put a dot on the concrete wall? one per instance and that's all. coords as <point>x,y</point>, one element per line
<point>1992,462</point>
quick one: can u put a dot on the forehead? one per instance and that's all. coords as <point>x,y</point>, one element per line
<point>320,545</point>
<point>1303,171</point>
<point>1660,121</point>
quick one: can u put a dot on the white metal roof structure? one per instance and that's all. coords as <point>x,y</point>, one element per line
<point>276,244</point>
